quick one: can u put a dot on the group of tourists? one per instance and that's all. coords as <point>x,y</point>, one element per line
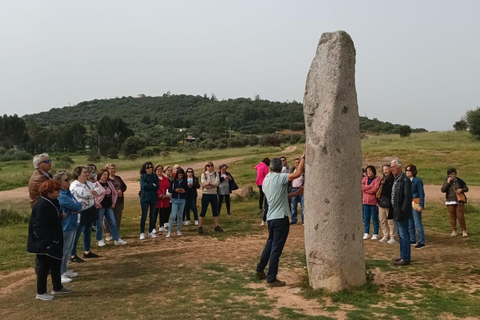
<point>397,201</point>
<point>170,193</point>
<point>94,200</point>
<point>62,211</point>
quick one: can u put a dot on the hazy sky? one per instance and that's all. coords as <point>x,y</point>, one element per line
<point>418,62</point>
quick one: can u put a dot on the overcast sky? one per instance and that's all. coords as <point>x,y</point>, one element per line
<point>418,62</point>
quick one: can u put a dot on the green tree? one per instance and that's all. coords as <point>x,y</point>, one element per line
<point>132,145</point>
<point>460,125</point>
<point>405,131</point>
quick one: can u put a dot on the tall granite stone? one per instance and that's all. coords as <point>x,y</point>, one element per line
<point>333,192</point>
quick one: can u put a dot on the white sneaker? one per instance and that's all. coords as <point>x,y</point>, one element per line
<point>101,243</point>
<point>168,235</point>
<point>120,242</point>
<point>454,233</point>
<point>152,234</point>
<point>262,224</point>
<point>154,231</point>
<point>366,236</point>
<point>196,222</point>
<point>44,296</point>
<point>162,229</point>
<point>186,223</point>
<point>383,240</point>
<point>464,232</point>
<point>108,237</point>
<point>71,274</point>
<point>165,225</point>
<point>65,279</point>
<point>179,233</point>
<point>375,237</point>
<point>142,236</point>
<point>392,241</point>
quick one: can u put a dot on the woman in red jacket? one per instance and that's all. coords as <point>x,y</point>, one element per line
<point>370,185</point>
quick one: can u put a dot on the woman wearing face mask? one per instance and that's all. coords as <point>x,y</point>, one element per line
<point>148,196</point>
<point>209,183</point>
<point>177,189</point>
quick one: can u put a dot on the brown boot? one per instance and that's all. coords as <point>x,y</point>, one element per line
<point>276,283</point>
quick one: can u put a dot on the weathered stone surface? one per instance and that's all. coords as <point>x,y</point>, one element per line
<point>333,192</point>
<point>244,192</point>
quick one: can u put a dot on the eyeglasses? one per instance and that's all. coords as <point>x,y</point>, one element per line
<point>149,167</point>
<point>67,180</point>
<point>189,171</point>
<point>47,161</point>
<point>408,170</point>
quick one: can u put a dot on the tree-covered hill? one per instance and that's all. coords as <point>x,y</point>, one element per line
<point>199,114</point>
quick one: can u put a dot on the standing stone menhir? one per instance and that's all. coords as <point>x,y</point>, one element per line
<point>333,188</point>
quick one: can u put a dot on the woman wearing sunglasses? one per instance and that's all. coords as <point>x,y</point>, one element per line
<point>210,181</point>
<point>191,197</point>
<point>148,197</point>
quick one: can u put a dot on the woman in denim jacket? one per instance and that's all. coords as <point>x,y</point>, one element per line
<point>418,195</point>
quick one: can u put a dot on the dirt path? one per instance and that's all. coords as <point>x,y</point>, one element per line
<point>131,177</point>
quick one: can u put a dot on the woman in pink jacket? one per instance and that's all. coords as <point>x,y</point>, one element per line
<point>262,171</point>
<point>370,185</point>
<point>105,202</point>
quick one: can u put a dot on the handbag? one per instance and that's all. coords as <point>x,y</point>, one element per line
<point>416,204</point>
<point>461,197</point>
<point>89,215</point>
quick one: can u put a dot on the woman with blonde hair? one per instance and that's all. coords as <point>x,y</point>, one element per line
<point>209,184</point>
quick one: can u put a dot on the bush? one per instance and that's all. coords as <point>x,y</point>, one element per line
<point>15,155</point>
<point>132,157</point>
<point>10,216</point>
<point>133,144</point>
<point>94,157</point>
<point>208,144</point>
<point>112,153</point>
<point>405,131</point>
<point>460,125</point>
<point>146,153</point>
<point>272,140</point>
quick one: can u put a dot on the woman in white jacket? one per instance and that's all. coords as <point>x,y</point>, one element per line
<point>85,192</point>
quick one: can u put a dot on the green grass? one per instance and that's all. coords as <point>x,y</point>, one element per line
<point>432,152</point>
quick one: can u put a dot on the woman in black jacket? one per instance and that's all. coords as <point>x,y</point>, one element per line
<point>45,239</point>
<point>227,184</point>
<point>191,195</point>
<point>177,189</point>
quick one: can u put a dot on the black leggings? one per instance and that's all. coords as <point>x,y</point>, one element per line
<point>262,199</point>
<point>227,202</point>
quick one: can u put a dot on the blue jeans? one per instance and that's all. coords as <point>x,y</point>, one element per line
<point>68,240</point>
<point>370,211</point>
<point>190,204</point>
<point>178,205</point>
<point>416,223</point>
<point>277,236</point>
<point>110,216</point>
<point>145,206</point>
<point>213,200</point>
<point>87,234</point>
<point>404,235</point>
<point>295,201</point>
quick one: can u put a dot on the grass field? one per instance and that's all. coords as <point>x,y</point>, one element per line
<point>212,276</point>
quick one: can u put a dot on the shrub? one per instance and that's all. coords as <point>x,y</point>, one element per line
<point>460,125</point>
<point>405,131</point>
<point>10,216</point>
<point>94,157</point>
<point>14,155</point>
<point>146,153</point>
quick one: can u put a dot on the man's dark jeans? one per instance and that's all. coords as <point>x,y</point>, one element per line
<point>277,236</point>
